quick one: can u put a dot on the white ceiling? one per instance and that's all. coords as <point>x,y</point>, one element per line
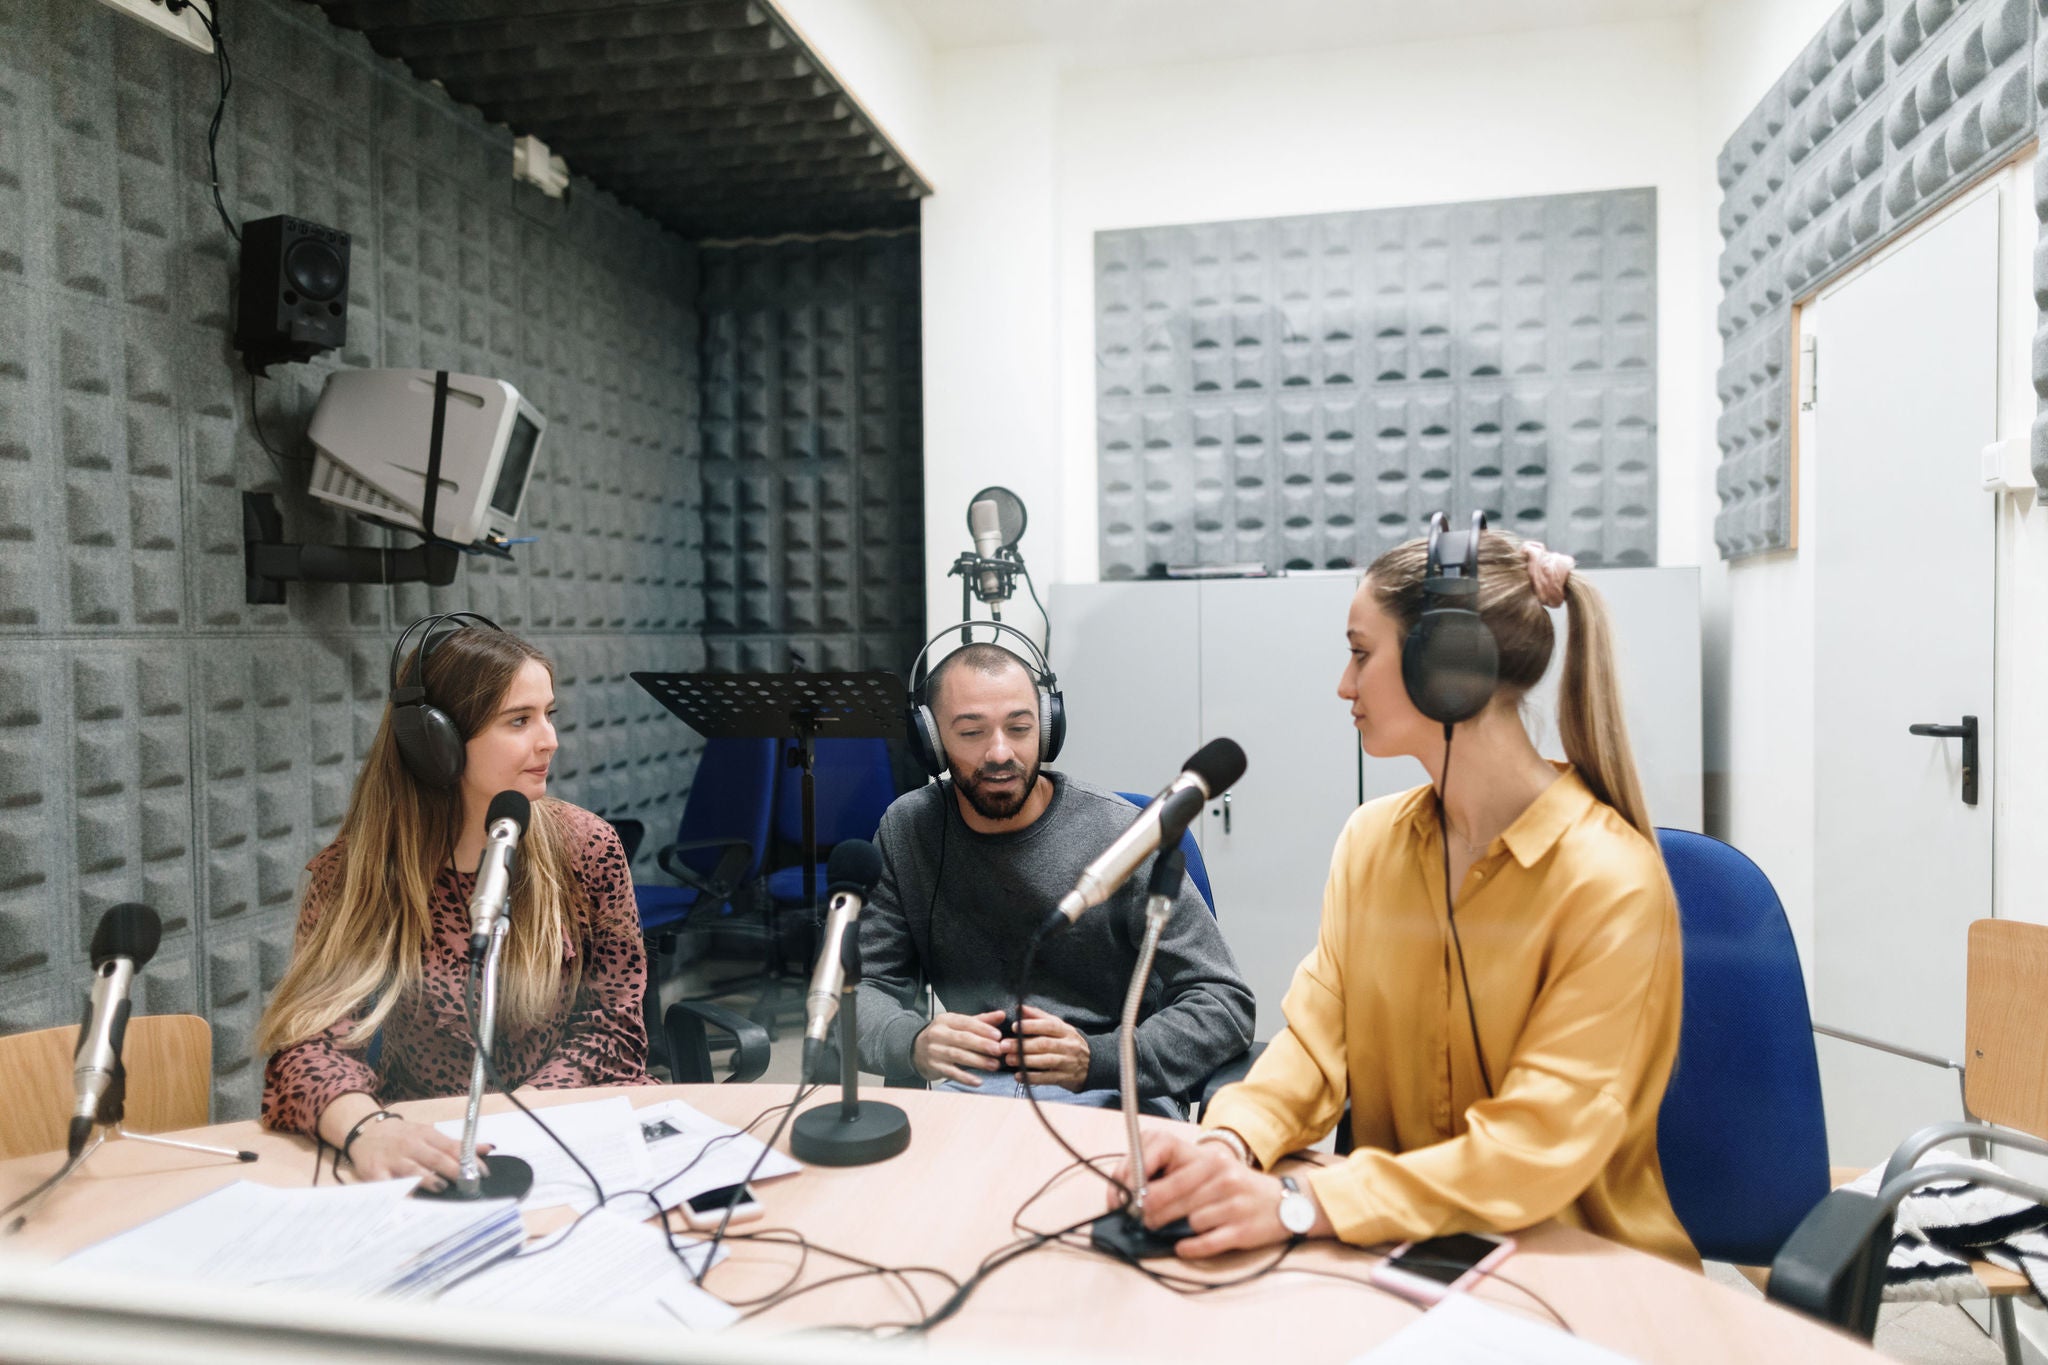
<point>1145,32</point>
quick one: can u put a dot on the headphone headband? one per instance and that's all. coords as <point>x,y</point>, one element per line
<point>425,626</point>
<point>920,674</point>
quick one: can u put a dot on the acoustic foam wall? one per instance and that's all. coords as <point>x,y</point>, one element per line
<point>1303,392</point>
<point>813,454</point>
<point>159,739</point>
<point>1893,106</point>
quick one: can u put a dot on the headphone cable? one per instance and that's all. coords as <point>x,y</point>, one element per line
<point>1443,824</point>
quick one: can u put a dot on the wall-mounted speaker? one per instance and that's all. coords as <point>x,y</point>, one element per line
<point>294,291</point>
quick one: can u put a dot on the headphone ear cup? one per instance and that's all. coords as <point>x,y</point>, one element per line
<point>1450,664</point>
<point>1052,724</point>
<point>923,729</point>
<point>430,745</point>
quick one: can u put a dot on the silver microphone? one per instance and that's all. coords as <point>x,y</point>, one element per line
<point>504,824</point>
<point>850,876</point>
<point>122,945</point>
<point>984,520</point>
<point>1207,775</point>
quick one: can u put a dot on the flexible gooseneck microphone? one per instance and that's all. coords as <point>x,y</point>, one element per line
<point>122,945</point>
<point>850,876</point>
<point>504,824</point>
<point>1207,775</point>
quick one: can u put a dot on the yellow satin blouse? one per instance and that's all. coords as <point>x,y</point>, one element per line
<point>1571,941</point>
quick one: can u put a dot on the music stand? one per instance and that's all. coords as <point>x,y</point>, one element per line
<point>804,707</point>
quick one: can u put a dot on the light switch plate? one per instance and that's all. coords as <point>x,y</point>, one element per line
<point>184,25</point>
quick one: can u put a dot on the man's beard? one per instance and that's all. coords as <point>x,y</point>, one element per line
<point>996,805</point>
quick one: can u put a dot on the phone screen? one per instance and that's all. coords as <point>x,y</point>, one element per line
<point>712,1200</point>
<point>1446,1259</point>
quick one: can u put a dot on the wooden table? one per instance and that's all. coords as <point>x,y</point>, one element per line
<point>948,1202</point>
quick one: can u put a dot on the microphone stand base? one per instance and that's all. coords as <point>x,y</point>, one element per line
<point>508,1178</point>
<point>825,1136</point>
<point>1124,1237</point>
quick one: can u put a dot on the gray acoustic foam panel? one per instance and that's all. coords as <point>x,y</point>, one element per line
<point>160,740</point>
<point>813,454</point>
<point>1304,392</point>
<point>1893,106</point>
<point>710,115</point>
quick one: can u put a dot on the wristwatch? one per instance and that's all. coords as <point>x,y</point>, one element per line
<point>1297,1210</point>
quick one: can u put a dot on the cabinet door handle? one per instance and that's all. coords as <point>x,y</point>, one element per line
<point>1967,733</point>
<point>1224,811</point>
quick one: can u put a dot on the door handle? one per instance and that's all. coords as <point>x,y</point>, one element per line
<point>1967,733</point>
<point>1224,811</point>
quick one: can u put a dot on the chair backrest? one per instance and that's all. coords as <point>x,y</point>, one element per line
<point>1741,1134</point>
<point>732,797</point>
<point>630,832</point>
<point>169,1058</point>
<point>854,784</point>
<point>2005,1080</point>
<point>1198,872</point>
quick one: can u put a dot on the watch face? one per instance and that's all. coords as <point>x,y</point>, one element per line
<point>1297,1210</point>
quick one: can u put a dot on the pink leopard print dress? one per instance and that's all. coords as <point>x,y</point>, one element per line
<point>594,1036</point>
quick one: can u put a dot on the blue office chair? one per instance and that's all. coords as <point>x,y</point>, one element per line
<point>1189,849</point>
<point>719,845</point>
<point>1741,1135</point>
<point>854,783</point>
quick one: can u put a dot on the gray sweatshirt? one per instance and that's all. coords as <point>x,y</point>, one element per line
<point>958,909</point>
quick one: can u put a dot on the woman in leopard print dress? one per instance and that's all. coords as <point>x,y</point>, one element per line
<point>383,934</point>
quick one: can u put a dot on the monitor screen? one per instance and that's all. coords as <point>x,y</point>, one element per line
<point>512,473</point>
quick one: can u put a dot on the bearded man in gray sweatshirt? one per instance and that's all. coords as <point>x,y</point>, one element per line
<point>971,865</point>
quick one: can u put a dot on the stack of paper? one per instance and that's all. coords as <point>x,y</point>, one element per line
<point>606,1266</point>
<point>370,1238</point>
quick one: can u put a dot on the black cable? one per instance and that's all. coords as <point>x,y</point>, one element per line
<point>1046,650</point>
<point>277,457</point>
<point>1443,825</point>
<point>226,73</point>
<point>718,1234</point>
<point>1024,1083</point>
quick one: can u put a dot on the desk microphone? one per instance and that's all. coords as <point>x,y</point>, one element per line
<point>1206,776</point>
<point>850,876</point>
<point>504,823</point>
<point>122,945</point>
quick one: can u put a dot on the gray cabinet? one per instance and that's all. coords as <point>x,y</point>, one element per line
<point>1152,671</point>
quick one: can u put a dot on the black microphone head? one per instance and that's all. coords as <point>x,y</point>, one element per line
<point>1219,764</point>
<point>509,805</point>
<point>855,865</point>
<point>128,930</point>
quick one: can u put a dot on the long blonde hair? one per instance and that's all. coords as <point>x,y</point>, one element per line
<point>1589,714</point>
<point>366,949</point>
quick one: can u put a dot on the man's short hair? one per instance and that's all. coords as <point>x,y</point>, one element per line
<point>990,660</point>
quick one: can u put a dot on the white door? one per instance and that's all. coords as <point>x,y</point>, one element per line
<point>1271,653</point>
<point>1904,566</point>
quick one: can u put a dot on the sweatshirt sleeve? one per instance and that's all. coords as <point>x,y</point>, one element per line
<point>890,974</point>
<point>1562,1106</point>
<point>1200,1008</point>
<point>300,1081</point>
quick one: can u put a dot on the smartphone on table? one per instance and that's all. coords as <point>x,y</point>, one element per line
<point>707,1210</point>
<point>1425,1271</point>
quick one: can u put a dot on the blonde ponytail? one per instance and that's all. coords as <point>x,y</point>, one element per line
<point>1589,712</point>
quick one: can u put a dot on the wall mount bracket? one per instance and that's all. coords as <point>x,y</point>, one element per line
<point>271,562</point>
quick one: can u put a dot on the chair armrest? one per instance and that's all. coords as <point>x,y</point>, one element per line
<point>1865,1040</point>
<point>724,879</point>
<point>1230,1073</point>
<point>750,1040</point>
<point>1909,1152</point>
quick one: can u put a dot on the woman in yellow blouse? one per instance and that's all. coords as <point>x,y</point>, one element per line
<point>1505,1051</point>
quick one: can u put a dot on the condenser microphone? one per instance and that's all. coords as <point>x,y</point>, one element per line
<point>851,874</point>
<point>984,520</point>
<point>122,945</point>
<point>1206,776</point>
<point>504,823</point>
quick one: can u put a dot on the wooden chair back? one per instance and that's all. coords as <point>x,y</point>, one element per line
<point>2005,1078</point>
<point>170,1073</point>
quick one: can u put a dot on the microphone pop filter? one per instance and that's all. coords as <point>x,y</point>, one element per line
<point>855,865</point>
<point>1010,517</point>
<point>509,805</point>
<point>128,930</point>
<point>1219,764</point>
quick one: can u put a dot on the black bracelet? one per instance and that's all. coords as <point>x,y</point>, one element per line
<point>356,1131</point>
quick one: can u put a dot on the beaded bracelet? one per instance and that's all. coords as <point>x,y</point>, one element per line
<point>356,1131</point>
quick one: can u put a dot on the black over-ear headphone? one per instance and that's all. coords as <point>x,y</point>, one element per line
<point>923,726</point>
<point>432,745</point>
<point>1450,661</point>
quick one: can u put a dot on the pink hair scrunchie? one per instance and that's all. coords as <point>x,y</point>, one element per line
<point>1548,572</point>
